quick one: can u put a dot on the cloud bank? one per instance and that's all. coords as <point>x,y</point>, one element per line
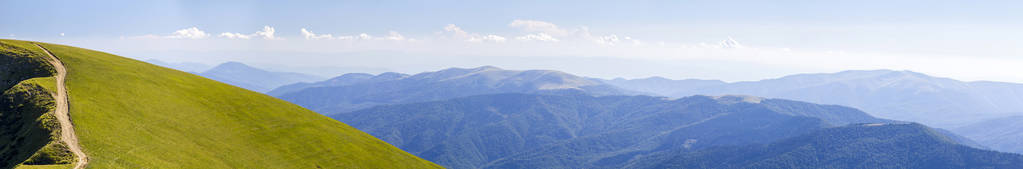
<point>457,33</point>
<point>267,33</point>
<point>188,33</point>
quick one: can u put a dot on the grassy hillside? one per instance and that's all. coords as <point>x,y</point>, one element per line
<point>131,114</point>
<point>29,128</point>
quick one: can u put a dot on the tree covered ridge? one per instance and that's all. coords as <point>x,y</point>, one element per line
<point>880,145</point>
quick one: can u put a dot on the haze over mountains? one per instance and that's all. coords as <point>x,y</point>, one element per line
<point>241,75</point>
<point>1003,134</point>
<point>659,86</point>
<point>899,95</point>
<point>356,91</point>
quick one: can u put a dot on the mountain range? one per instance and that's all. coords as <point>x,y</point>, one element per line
<point>970,108</point>
<point>357,91</point>
<point>255,79</point>
<point>240,74</point>
<point>854,146</point>
<point>583,131</point>
<point>1003,134</point>
<point>899,95</point>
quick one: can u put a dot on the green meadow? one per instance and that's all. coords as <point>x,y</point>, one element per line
<point>131,114</point>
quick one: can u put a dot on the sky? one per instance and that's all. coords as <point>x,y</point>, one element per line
<point>726,40</point>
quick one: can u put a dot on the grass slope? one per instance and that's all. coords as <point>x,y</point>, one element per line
<point>58,166</point>
<point>131,114</point>
<point>30,132</point>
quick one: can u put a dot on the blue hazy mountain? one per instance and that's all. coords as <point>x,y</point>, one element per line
<point>1003,134</point>
<point>853,146</point>
<point>356,91</point>
<point>583,131</point>
<point>255,79</point>
<point>899,95</point>
<point>343,80</point>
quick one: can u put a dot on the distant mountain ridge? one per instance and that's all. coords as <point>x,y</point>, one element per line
<point>900,95</point>
<point>1004,134</point>
<point>343,80</point>
<point>582,131</point>
<point>255,79</point>
<point>356,91</point>
<point>853,146</point>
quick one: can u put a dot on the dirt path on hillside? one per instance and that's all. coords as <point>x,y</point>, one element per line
<point>67,131</point>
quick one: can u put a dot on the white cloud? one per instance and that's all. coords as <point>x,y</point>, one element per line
<point>188,33</point>
<point>266,33</point>
<point>539,26</point>
<point>310,35</point>
<point>489,38</point>
<point>730,44</point>
<point>365,36</point>
<point>550,32</point>
<point>636,41</point>
<point>392,35</point>
<point>581,42</point>
<point>458,33</point>
<point>607,40</point>
<point>62,34</point>
<point>230,35</point>
<point>538,37</point>
<point>456,30</point>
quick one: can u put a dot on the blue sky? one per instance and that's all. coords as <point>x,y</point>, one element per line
<point>975,40</point>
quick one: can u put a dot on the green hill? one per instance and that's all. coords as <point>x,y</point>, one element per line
<point>29,128</point>
<point>131,114</point>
